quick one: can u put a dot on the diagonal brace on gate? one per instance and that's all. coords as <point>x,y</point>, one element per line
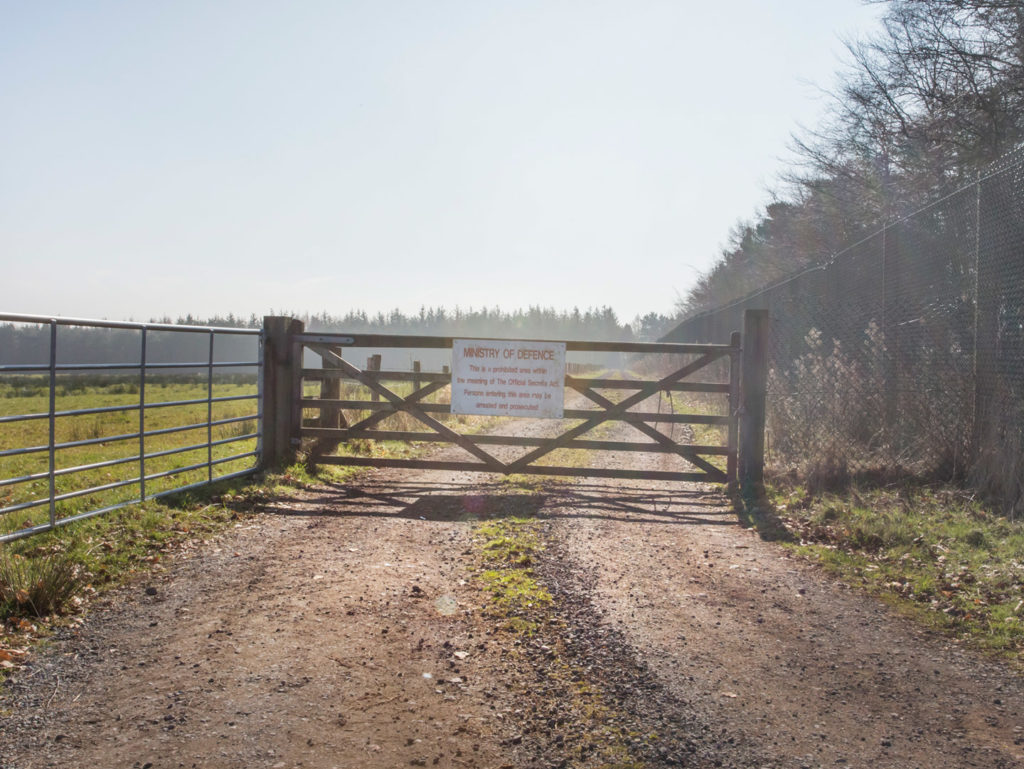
<point>409,406</point>
<point>617,410</point>
<point>364,425</point>
<point>687,453</point>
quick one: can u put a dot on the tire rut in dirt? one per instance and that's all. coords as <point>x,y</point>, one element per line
<point>589,699</point>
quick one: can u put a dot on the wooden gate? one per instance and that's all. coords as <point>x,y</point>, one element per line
<point>316,420</point>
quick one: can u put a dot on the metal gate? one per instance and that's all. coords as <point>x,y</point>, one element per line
<point>319,420</point>
<point>137,442</point>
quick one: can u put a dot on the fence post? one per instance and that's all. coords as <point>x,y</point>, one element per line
<point>280,383</point>
<point>754,375</point>
<point>373,364</point>
<point>891,289</point>
<point>736,342</point>
<point>330,389</point>
<point>986,330</point>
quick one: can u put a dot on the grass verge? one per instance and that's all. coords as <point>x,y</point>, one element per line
<point>933,552</point>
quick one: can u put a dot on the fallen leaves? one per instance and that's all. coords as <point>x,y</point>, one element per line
<point>11,658</point>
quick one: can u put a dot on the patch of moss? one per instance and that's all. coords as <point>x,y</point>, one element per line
<point>515,589</point>
<point>511,541</point>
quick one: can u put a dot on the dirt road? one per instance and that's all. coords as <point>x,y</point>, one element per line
<point>343,628</point>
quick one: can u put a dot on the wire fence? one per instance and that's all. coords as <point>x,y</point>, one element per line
<point>96,415</point>
<point>904,353</point>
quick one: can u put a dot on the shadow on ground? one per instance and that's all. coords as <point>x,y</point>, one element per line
<point>482,501</point>
<point>754,510</point>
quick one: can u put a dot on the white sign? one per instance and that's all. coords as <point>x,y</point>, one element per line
<point>506,378</point>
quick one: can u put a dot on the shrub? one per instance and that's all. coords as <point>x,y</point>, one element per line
<point>835,417</point>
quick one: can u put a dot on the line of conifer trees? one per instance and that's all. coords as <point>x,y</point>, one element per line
<point>923,107</point>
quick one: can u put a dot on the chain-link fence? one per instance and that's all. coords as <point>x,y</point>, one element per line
<point>903,354</point>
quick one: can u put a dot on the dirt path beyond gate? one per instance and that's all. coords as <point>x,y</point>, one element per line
<point>343,629</point>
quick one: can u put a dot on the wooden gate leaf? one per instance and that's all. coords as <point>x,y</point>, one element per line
<point>641,395</point>
<point>386,403</point>
<point>402,404</point>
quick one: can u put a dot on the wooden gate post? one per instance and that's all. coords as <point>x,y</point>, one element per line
<point>754,373</point>
<point>281,382</point>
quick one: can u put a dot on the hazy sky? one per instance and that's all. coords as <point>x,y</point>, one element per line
<point>212,157</point>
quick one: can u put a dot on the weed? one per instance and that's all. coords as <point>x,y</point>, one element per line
<point>37,586</point>
<point>934,551</point>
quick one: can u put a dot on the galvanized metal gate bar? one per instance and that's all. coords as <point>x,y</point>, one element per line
<point>335,367</point>
<point>139,368</point>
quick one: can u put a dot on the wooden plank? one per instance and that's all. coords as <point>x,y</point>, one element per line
<point>412,408</point>
<point>316,374</point>
<point>508,440</point>
<point>278,393</point>
<point>330,416</point>
<point>445,342</point>
<point>754,388</point>
<point>632,417</point>
<point>373,363</point>
<point>572,472</point>
<point>645,392</point>
<point>296,416</point>
<point>330,389</point>
<point>409,464</point>
<point>633,384</point>
<point>607,472</point>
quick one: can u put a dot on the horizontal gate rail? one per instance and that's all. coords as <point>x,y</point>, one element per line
<point>343,419</point>
<point>509,440</point>
<point>442,342</point>
<point>324,374</point>
<point>158,455</point>
<point>444,408</point>
<point>573,472</point>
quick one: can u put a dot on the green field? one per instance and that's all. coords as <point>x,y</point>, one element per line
<point>108,437</point>
<point>23,395</point>
<point>30,395</point>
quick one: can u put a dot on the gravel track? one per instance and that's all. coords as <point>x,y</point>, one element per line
<point>342,628</point>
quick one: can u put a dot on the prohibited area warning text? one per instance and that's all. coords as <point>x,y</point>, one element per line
<point>508,378</point>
